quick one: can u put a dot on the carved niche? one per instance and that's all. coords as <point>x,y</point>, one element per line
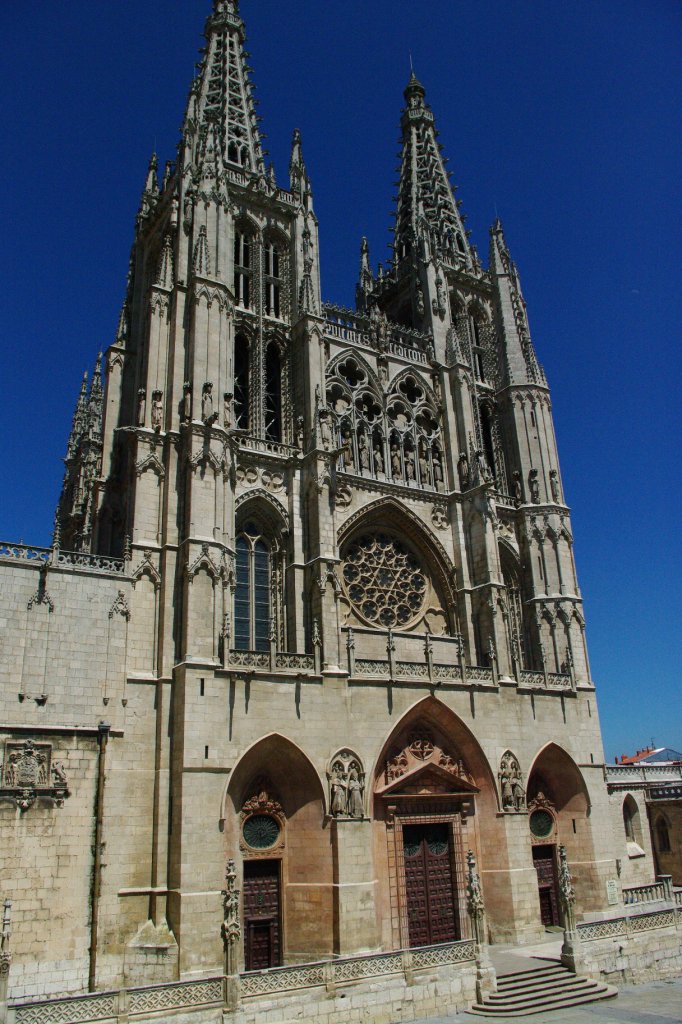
<point>262,821</point>
<point>511,790</point>
<point>29,773</point>
<point>422,751</point>
<point>346,778</point>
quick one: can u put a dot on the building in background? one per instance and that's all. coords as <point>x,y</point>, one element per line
<point>311,604</point>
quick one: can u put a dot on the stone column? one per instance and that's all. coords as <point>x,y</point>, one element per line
<point>5,959</point>
<point>571,950</point>
<point>486,980</point>
<point>354,886</point>
<point>231,933</point>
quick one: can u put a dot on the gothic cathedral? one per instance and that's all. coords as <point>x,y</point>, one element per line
<point>311,605</point>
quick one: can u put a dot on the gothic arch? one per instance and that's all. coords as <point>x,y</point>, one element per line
<point>408,371</point>
<point>631,820</point>
<point>258,759</point>
<point>391,514</point>
<point>372,380</point>
<point>245,222</point>
<point>260,504</point>
<point>554,767</point>
<point>433,714</point>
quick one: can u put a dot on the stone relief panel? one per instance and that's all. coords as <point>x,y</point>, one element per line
<point>422,749</point>
<point>29,772</point>
<point>511,789</point>
<point>346,778</point>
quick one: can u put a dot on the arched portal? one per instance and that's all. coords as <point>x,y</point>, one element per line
<point>274,815</point>
<point>559,814</point>
<point>434,798</point>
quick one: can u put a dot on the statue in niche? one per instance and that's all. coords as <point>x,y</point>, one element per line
<point>463,471</point>
<point>364,452</point>
<point>518,487</point>
<point>423,468</point>
<point>382,372</point>
<point>554,484</point>
<point>437,469</point>
<point>409,465</point>
<point>186,400</point>
<point>325,429</point>
<point>378,459</point>
<point>534,485</point>
<point>346,786</point>
<point>396,468</point>
<point>207,402</point>
<point>482,467</point>
<point>141,406</point>
<point>157,410</point>
<point>227,410</point>
<point>511,790</point>
<point>300,432</point>
<point>347,445</point>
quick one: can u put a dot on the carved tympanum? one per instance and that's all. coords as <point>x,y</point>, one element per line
<point>29,772</point>
<point>421,749</point>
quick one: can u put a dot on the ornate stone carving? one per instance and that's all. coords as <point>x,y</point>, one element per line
<point>421,748</point>
<point>346,785</point>
<point>439,517</point>
<point>5,935</point>
<point>28,773</point>
<point>511,790</point>
<point>231,928</point>
<point>384,581</point>
<point>475,905</point>
<point>157,410</point>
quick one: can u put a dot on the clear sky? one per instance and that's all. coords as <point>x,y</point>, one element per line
<point>563,118</point>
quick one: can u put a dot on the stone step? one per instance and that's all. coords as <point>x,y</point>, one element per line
<point>541,1006</point>
<point>509,981</point>
<point>549,967</point>
<point>540,985</point>
<point>558,990</point>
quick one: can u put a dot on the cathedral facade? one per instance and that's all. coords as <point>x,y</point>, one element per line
<point>311,604</point>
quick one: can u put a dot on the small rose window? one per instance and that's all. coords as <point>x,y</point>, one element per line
<point>384,581</point>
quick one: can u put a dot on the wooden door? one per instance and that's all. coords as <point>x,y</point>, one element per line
<point>428,884</point>
<point>261,914</point>
<point>544,862</point>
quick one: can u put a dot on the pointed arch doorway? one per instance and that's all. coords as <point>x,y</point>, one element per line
<point>426,796</point>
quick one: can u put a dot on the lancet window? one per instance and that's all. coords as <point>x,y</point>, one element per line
<point>272,280</point>
<point>273,394</point>
<point>241,383</point>
<point>243,269</point>
<point>258,604</point>
<point>399,441</point>
<point>516,626</point>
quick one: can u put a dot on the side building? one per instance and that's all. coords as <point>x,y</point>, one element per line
<point>311,603</point>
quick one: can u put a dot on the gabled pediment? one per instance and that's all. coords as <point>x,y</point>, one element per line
<point>427,779</point>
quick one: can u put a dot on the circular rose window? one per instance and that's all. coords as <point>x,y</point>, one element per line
<point>261,831</point>
<point>541,824</point>
<point>384,581</point>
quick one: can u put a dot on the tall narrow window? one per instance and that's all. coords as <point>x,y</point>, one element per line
<point>252,594</point>
<point>241,382</point>
<point>273,395</point>
<point>242,269</point>
<point>662,836</point>
<point>487,432</point>
<point>516,625</point>
<point>273,282</point>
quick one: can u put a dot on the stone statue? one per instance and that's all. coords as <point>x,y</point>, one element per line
<point>554,484</point>
<point>227,410</point>
<point>364,452</point>
<point>347,444</point>
<point>463,471</point>
<point>337,784</point>
<point>518,488</point>
<point>518,791</point>
<point>437,468</point>
<point>423,468</point>
<point>300,432</point>
<point>409,464</point>
<point>325,430</point>
<point>396,468</point>
<point>534,486</point>
<point>207,402</point>
<point>141,407</point>
<point>355,803</point>
<point>157,410</point>
<point>506,789</point>
<point>378,460</point>
<point>511,790</point>
<point>186,400</point>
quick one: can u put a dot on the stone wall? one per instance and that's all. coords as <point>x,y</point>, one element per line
<point>635,949</point>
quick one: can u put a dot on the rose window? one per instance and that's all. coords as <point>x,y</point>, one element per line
<point>384,581</point>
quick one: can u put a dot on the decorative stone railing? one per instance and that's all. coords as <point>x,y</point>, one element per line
<point>662,889</point>
<point>678,897</point>
<point>134,1002</point>
<point>207,993</point>
<point>629,773</point>
<point>628,925</point>
<point>262,445</point>
<point>345,970</point>
<point>545,680</point>
<point>65,559</point>
<point>273,661</point>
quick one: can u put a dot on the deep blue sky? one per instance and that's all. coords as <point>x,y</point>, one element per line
<point>564,118</point>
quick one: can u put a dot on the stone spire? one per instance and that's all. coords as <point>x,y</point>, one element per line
<point>299,182</point>
<point>150,193</point>
<point>365,284</point>
<point>221,115</point>
<point>95,401</point>
<point>79,418</point>
<point>427,212</point>
<point>521,362</point>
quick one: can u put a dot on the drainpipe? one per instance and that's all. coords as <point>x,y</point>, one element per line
<point>103,730</point>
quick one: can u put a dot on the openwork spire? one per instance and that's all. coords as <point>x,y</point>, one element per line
<point>222,106</point>
<point>427,213</point>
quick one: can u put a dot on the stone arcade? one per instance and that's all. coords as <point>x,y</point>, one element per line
<point>311,613</point>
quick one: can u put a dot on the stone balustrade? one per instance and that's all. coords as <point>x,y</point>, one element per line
<point>662,889</point>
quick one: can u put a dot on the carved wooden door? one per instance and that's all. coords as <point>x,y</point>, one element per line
<point>545,865</point>
<point>261,914</point>
<point>428,884</point>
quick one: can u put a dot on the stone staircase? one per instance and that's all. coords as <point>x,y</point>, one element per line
<point>550,987</point>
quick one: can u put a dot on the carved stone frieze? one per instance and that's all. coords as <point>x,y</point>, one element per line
<point>28,773</point>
